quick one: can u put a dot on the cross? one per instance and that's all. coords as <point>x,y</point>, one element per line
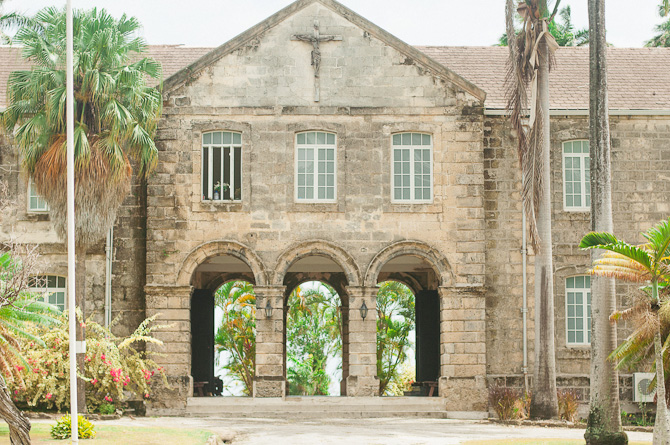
<point>315,40</point>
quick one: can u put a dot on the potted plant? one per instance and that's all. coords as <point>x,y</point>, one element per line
<point>217,189</point>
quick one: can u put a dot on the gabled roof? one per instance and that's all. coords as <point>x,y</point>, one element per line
<point>439,70</point>
<point>639,78</point>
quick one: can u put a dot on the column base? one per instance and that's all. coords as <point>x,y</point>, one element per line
<point>269,387</point>
<point>362,386</point>
<point>464,393</point>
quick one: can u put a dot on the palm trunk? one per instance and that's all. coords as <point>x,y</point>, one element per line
<point>662,423</point>
<point>80,302</point>
<point>604,421</point>
<point>544,404</point>
<point>19,425</point>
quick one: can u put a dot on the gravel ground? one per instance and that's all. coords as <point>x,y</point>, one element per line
<point>389,431</point>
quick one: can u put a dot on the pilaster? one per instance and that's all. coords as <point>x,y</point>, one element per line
<point>270,377</point>
<point>361,379</point>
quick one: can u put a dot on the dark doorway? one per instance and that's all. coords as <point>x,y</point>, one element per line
<point>202,342</point>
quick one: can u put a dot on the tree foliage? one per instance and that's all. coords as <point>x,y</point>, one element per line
<point>662,38</point>
<point>395,321</point>
<point>235,338</point>
<point>313,333</point>
<point>116,113</point>
<point>563,31</point>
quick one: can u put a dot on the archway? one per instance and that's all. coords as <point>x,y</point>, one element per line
<point>216,266</point>
<point>322,262</point>
<point>422,270</point>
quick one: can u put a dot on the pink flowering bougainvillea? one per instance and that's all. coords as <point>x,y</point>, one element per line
<point>114,369</point>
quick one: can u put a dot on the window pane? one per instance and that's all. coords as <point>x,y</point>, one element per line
<point>237,138</point>
<point>216,138</point>
<point>237,190</point>
<point>226,191</point>
<point>426,139</point>
<point>301,138</point>
<point>311,137</point>
<point>331,139</point>
<point>396,139</point>
<point>406,139</point>
<point>216,170</point>
<point>416,139</point>
<point>321,138</point>
<point>207,138</point>
<point>227,138</point>
<point>567,147</point>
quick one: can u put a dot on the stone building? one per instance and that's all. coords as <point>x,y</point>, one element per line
<point>353,158</point>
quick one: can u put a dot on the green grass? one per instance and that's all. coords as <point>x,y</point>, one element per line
<point>115,435</point>
<point>538,442</point>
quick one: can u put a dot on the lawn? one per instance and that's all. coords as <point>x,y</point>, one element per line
<point>538,442</point>
<point>114,435</point>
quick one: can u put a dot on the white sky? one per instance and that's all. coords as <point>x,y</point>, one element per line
<point>417,22</point>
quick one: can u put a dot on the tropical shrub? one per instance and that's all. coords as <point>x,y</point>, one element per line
<point>395,322</point>
<point>313,332</point>
<point>505,402</point>
<point>63,428</point>
<point>235,338</point>
<point>115,370</point>
<point>568,402</point>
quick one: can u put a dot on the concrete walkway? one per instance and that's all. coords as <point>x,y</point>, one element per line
<point>388,431</point>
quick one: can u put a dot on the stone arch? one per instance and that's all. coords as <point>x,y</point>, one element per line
<point>218,248</point>
<point>416,248</point>
<point>319,248</point>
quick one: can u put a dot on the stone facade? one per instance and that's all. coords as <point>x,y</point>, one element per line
<point>463,247</point>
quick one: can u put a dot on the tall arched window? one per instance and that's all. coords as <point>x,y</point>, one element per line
<point>221,166</point>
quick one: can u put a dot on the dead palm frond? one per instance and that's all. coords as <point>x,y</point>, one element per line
<point>525,57</point>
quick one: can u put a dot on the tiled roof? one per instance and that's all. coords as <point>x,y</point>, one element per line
<point>172,58</point>
<point>639,78</point>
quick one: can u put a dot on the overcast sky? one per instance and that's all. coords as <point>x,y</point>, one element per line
<point>418,22</point>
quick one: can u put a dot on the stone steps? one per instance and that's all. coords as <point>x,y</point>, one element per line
<point>317,407</point>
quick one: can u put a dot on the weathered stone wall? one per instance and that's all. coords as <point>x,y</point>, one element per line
<point>641,160</point>
<point>25,227</point>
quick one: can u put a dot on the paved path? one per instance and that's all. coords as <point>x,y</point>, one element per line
<point>390,431</point>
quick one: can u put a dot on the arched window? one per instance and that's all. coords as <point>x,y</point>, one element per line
<point>316,167</point>
<point>576,176</point>
<point>221,166</point>
<point>412,177</point>
<point>578,310</point>
<point>52,287</point>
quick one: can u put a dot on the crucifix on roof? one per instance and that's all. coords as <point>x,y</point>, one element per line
<point>316,39</point>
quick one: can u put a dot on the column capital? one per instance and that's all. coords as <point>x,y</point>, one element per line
<point>270,291</point>
<point>362,291</point>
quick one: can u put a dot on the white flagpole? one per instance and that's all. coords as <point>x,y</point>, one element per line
<point>70,223</point>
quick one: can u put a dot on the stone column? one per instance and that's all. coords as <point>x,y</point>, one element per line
<point>463,348</point>
<point>172,305</point>
<point>362,380</point>
<point>270,377</point>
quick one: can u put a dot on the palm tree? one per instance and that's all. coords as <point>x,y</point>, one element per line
<point>663,37</point>
<point>604,421</point>
<point>531,52</point>
<point>17,309</point>
<point>10,21</point>
<point>650,264</point>
<point>564,33</point>
<point>395,321</point>
<point>237,334</point>
<point>115,119</point>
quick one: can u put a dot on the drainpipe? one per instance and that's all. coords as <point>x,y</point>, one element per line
<point>109,246</point>
<point>524,310</point>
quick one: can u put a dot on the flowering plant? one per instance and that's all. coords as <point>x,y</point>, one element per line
<point>114,368</point>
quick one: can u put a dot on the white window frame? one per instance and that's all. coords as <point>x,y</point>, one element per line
<point>412,147</point>
<point>231,165</point>
<point>583,182</point>
<point>315,148</point>
<point>586,311</point>
<point>32,193</point>
<point>46,290</point>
